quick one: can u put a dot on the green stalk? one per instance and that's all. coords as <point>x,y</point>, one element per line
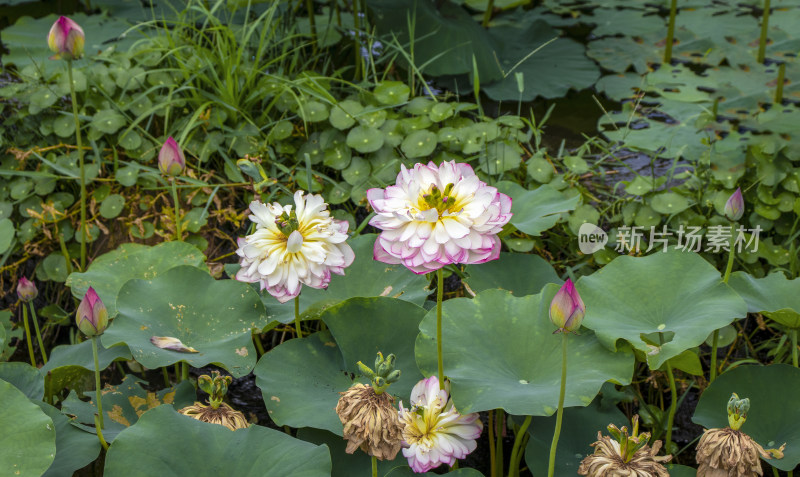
<point>184,370</point>
<point>80,162</point>
<point>297,316</point>
<point>177,372</point>
<point>166,376</point>
<point>38,334</point>
<point>357,38</point>
<point>491,444</point>
<point>793,335</point>
<point>312,24</point>
<point>176,201</point>
<point>439,296</point>
<point>64,252</point>
<point>97,387</point>
<point>487,15</point>
<point>28,335</point>
<point>259,345</point>
<point>673,406</point>
<point>715,339</point>
<point>560,413</point>
<point>779,89</point>
<point>673,9</point>
<point>374,467</point>
<point>762,41</point>
<point>513,470</point>
<point>499,441</point>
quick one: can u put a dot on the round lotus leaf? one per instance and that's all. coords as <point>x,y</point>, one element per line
<point>536,210</point>
<point>55,266</point>
<point>343,114</point>
<point>281,130</point>
<point>112,206</point>
<point>774,296</point>
<point>64,126</point>
<point>521,274</point>
<point>7,232</point>
<point>771,421</point>
<point>108,272</point>
<point>81,355</point>
<point>675,296</point>
<point>502,156</point>
<point>107,121</point>
<point>385,163</point>
<point>6,209</point>
<point>127,175</point>
<point>41,99</point>
<point>539,169</point>
<point>28,440</point>
<point>24,377</point>
<point>124,404</point>
<point>75,449</point>
<point>313,111</point>
<point>419,106</point>
<point>337,193</point>
<point>576,164</point>
<point>365,139</point>
<point>152,445</point>
<point>140,106</point>
<point>364,278</point>
<point>337,156</point>
<point>215,317</point>
<point>517,244</point>
<point>505,355</point>
<point>578,431</point>
<point>20,188</point>
<point>145,232</point>
<point>391,93</point>
<point>418,144</point>
<point>669,203</point>
<point>647,217</point>
<point>313,148</point>
<point>583,214</point>
<point>726,336</point>
<point>357,172</point>
<point>440,112</point>
<point>130,140</point>
<point>372,119</point>
<point>196,219</point>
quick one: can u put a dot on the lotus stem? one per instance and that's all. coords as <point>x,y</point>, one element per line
<point>99,428</point>
<point>793,335</point>
<point>715,338</point>
<point>38,334</point>
<point>762,41</point>
<point>259,345</point>
<point>297,316</point>
<point>492,456</point>
<point>374,466</point>
<point>98,392</point>
<point>177,372</point>
<point>673,9</point>
<point>500,421</point>
<point>80,164</point>
<point>356,39</point>
<point>439,296</point>
<point>514,458</point>
<point>487,15</point>
<point>312,24</point>
<point>779,88</point>
<point>560,413</point>
<point>166,376</point>
<point>176,201</point>
<point>184,370</point>
<point>673,406</point>
<point>28,335</point>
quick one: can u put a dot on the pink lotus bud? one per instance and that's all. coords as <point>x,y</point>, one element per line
<point>92,316</point>
<point>26,290</point>
<point>734,207</point>
<point>65,39</point>
<point>171,161</point>
<point>567,308</point>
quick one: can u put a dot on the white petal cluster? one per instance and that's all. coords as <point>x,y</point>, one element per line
<point>307,256</point>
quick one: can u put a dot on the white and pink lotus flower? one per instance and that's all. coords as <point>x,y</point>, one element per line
<point>292,247</point>
<point>438,215</point>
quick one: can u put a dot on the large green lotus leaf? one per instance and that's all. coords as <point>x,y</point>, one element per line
<point>124,404</point>
<point>301,379</point>
<point>775,296</point>
<point>681,470</point>
<point>499,351</point>
<point>81,355</point>
<point>75,449</point>
<point>364,278</point>
<point>520,273</point>
<point>168,444</point>
<point>24,377</point>
<point>28,440</point>
<point>675,293</point>
<point>536,210</point>
<point>772,419</point>
<point>108,272</point>
<point>364,326</point>
<point>446,37</point>
<point>344,464</point>
<point>550,72</point>
<point>324,364</point>
<point>215,317</point>
<point>578,431</point>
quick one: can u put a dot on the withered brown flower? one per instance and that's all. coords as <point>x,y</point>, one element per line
<point>370,422</point>
<point>223,415</point>
<point>731,453</point>
<point>608,461</point>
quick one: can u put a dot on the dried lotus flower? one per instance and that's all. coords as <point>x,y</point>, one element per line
<point>624,455</point>
<point>216,412</point>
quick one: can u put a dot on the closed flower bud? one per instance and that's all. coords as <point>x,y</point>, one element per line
<point>171,161</point>
<point>92,316</point>
<point>567,308</point>
<point>734,207</point>
<point>26,290</point>
<point>65,39</point>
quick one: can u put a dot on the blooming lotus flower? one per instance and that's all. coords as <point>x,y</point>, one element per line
<point>171,161</point>
<point>293,247</point>
<point>92,316</point>
<point>734,207</point>
<point>567,308</point>
<point>434,433</point>
<point>66,39</point>
<point>26,290</point>
<point>437,215</point>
